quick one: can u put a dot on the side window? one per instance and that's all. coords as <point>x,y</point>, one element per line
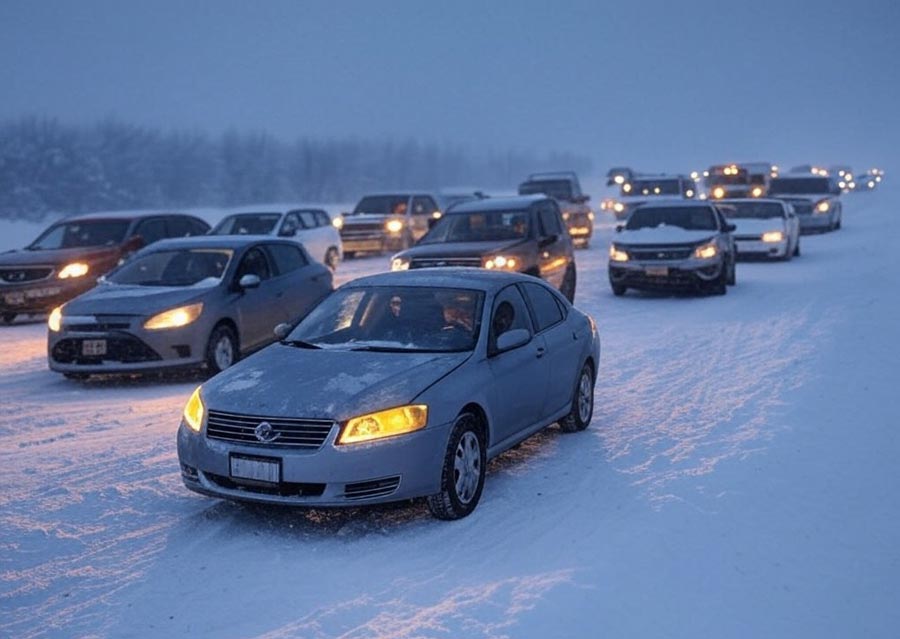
<point>321,218</point>
<point>254,262</point>
<point>543,303</point>
<point>509,312</point>
<point>550,220</point>
<point>198,227</point>
<point>307,219</point>
<point>178,226</point>
<point>287,258</point>
<point>422,205</point>
<point>152,230</point>
<point>290,226</point>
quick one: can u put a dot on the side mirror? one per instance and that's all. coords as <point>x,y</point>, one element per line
<point>547,241</point>
<point>620,228</point>
<point>584,198</point>
<point>282,330</point>
<point>288,232</point>
<point>249,281</point>
<point>730,228</point>
<point>513,339</point>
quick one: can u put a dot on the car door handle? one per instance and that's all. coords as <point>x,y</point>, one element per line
<point>539,353</point>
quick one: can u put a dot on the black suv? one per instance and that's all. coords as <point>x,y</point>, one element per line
<point>523,234</point>
<point>565,188</point>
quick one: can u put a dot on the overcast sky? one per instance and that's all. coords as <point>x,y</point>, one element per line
<point>659,85</point>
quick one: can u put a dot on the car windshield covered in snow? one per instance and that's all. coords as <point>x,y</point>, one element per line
<point>690,218</point>
<point>652,187</point>
<point>558,189</point>
<point>382,205</point>
<point>482,226</point>
<point>800,185</point>
<point>82,234</point>
<point>752,210</point>
<point>394,319</point>
<point>180,267</point>
<point>247,224</point>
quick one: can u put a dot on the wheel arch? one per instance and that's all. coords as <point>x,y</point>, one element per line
<point>479,412</point>
<point>230,323</point>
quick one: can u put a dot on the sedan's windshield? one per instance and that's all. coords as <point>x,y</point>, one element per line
<point>382,205</point>
<point>558,189</point>
<point>247,224</point>
<point>753,210</point>
<point>800,185</point>
<point>394,318</point>
<point>485,226</point>
<point>690,218</point>
<point>178,267</point>
<point>82,234</point>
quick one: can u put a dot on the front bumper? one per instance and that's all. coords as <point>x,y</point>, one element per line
<point>42,296</point>
<point>402,467</point>
<point>759,249</point>
<point>373,243</point>
<point>689,274</point>
<point>815,222</point>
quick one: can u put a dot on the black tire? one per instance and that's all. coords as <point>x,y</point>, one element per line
<point>467,448</point>
<point>837,225</point>
<point>570,279</point>
<point>332,258</point>
<point>719,286</point>
<point>220,356</point>
<point>582,411</point>
<point>797,248</point>
<point>9,318</point>
<point>80,377</point>
<point>732,273</point>
<point>618,289</point>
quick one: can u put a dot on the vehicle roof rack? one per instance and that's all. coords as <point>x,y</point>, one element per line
<point>551,174</point>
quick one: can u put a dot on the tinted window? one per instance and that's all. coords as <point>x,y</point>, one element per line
<point>198,227</point>
<point>81,234</point>
<point>544,304</point>
<point>550,220</point>
<point>670,186</point>
<point>322,218</point>
<point>509,312</point>
<point>254,262</point>
<point>691,218</point>
<point>800,185</point>
<point>484,226</point>
<point>423,206</point>
<point>382,205</point>
<point>182,267</point>
<point>559,189</point>
<point>152,230</point>
<point>178,227</point>
<point>291,225</point>
<point>287,258</point>
<point>247,224</point>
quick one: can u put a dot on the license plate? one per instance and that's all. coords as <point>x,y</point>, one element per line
<point>657,271</point>
<point>14,299</point>
<point>47,291</point>
<point>93,347</point>
<point>265,469</point>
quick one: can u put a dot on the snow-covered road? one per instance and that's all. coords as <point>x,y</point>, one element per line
<point>739,480</point>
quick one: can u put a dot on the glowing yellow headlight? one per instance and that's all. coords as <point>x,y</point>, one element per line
<point>436,215</point>
<point>55,320</point>
<point>565,215</point>
<point>694,175</point>
<point>616,254</point>
<point>618,207</point>
<point>338,223</point>
<point>689,193</point>
<point>394,226</point>
<point>773,236</point>
<point>706,252</point>
<point>386,423</point>
<point>718,193</point>
<point>757,191</point>
<point>175,318</point>
<point>626,188</point>
<point>822,207</point>
<point>501,261</point>
<point>399,264</point>
<point>619,179</point>
<point>591,216</point>
<point>75,269</point>
<point>193,411</point>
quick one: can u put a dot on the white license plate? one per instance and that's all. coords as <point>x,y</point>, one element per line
<point>93,347</point>
<point>256,468</point>
<point>657,271</point>
<point>14,299</point>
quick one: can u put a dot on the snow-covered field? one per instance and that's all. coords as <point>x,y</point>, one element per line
<point>739,480</point>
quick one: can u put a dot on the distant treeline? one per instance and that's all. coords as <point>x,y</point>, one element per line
<point>52,167</point>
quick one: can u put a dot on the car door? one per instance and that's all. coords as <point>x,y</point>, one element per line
<point>519,377</point>
<point>300,282</point>
<point>553,258</point>
<point>258,309</point>
<point>313,236</point>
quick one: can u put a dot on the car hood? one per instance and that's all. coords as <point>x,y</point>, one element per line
<point>114,299</point>
<point>286,381</point>
<point>662,235</point>
<point>461,249</point>
<point>752,226</point>
<point>24,257</point>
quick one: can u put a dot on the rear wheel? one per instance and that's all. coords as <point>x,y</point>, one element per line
<point>568,284</point>
<point>222,349</point>
<point>463,471</point>
<point>582,403</point>
<point>618,289</point>
<point>797,248</point>
<point>9,318</point>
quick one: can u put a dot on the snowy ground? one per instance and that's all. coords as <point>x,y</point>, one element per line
<point>739,480</point>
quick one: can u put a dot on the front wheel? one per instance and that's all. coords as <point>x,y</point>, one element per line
<point>222,349</point>
<point>719,286</point>
<point>732,273</point>
<point>9,318</point>
<point>618,289</point>
<point>463,470</point>
<point>568,284</point>
<point>582,403</point>
<point>797,248</point>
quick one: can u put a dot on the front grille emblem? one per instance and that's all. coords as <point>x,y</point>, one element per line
<point>265,433</point>
<point>15,276</point>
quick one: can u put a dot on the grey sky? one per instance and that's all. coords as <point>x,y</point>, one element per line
<point>661,85</point>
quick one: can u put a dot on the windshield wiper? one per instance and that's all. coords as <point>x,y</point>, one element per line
<point>299,343</point>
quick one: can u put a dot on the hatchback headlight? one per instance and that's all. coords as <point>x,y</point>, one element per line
<point>54,322</point>
<point>757,191</point>
<point>338,223</point>
<point>706,251</point>
<point>823,206</point>
<point>394,226</point>
<point>385,423</point>
<point>773,236</point>
<point>616,254</point>
<point>399,264</point>
<point>175,318</point>
<point>74,269</point>
<point>193,411</point>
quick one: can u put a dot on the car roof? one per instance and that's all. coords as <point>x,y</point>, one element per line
<point>399,193</point>
<point>512,203</point>
<point>442,277</point>
<point>217,241</point>
<point>123,215</point>
<point>675,203</point>
<point>770,200</point>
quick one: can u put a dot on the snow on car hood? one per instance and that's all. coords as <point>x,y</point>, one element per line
<point>114,299</point>
<point>662,235</point>
<point>286,381</point>
<point>754,226</point>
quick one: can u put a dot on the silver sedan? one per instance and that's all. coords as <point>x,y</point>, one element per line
<point>186,303</point>
<point>397,386</point>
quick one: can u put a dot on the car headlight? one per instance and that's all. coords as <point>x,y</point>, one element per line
<point>823,206</point>
<point>193,411</point>
<point>718,193</point>
<point>338,223</point>
<point>619,179</point>
<point>871,184</point>
<point>618,207</point>
<point>706,251</point>
<point>399,264</point>
<point>394,226</point>
<point>773,236</point>
<point>175,318</point>
<point>616,254</point>
<point>689,193</point>
<point>591,216</point>
<point>502,262</point>
<point>74,269</point>
<point>385,423</point>
<point>756,191</point>
<point>54,322</point>
<point>626,188</point>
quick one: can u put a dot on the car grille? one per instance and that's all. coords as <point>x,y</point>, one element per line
<point>103,324</point>
<point>124,349</point>
<point>373,488</point>
<point>362,231</point>
<point>30,274</point>
<point>651,253</point>
<point>308,434</point>
<point>747,238</point>
<point>431,262</point>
